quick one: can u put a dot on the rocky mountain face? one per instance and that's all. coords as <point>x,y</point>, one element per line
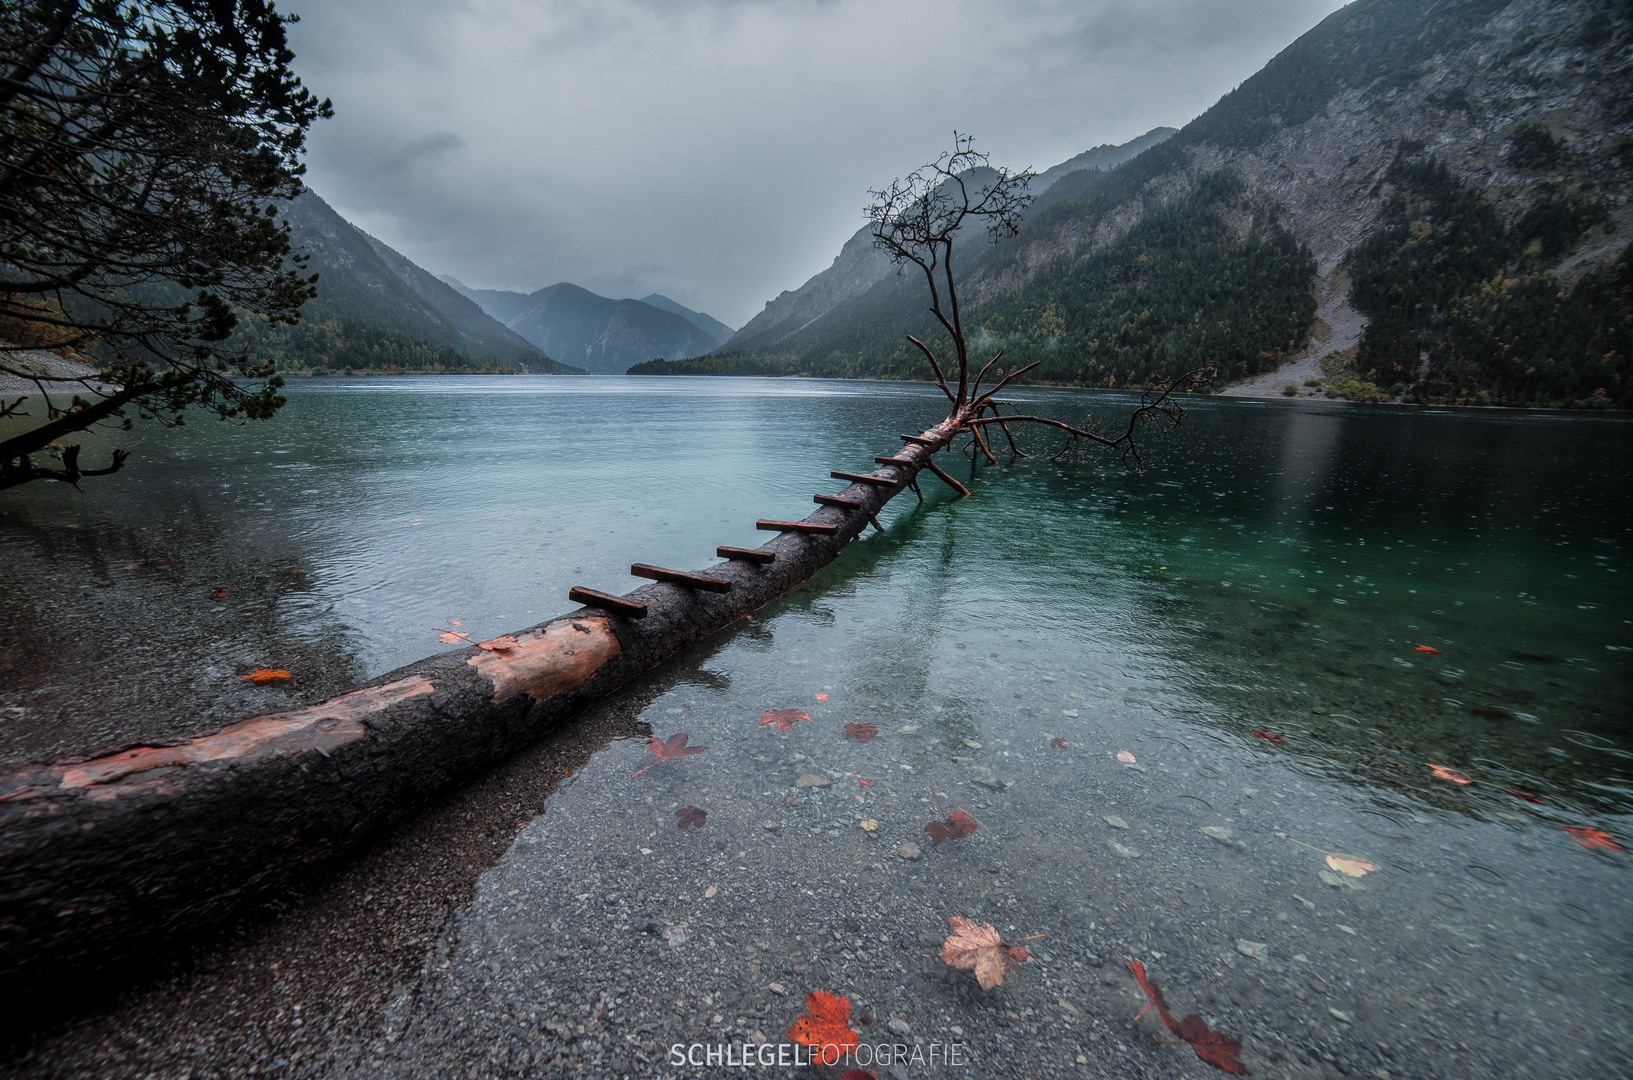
<point>372,297</point>
<point>602,336</point>
<point>1438,193</point>
<point>859,266</point>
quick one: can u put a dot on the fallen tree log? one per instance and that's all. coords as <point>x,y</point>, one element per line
<point>110,854</point>
<point>119,852</point>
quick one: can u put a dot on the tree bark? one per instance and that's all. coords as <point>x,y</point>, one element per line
<point>110,855</point>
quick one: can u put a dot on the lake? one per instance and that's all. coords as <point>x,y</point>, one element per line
<point>1165,697</point>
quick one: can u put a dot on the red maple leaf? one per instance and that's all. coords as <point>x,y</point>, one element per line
<point>860,732</point>
<point>1446,773</point>
<point>1427,649</point>
<point>783,718</point>
<point>690,815</point>
<point>1058,743</point>
<point>957,824</point>
<point>1215,1047</point>
<point>1593,838</point>
<point>672,747</point>
<point>1271,735</point>
<point>828,1022</point>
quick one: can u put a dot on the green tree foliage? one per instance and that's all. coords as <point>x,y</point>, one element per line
<point>1461,311</point>
<point>336,343</point>
<point>1185,288</point>
<point>141,148</point>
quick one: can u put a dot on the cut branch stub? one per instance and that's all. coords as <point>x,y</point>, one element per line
<point>632,609</point>
<point>809,528</point>
<point>679,577</point>
<point>751,555</point>
<point>864,478</point>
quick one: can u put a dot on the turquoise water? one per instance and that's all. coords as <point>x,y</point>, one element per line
<point>1275,568</point>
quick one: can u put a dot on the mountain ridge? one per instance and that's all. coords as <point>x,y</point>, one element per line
<point>1396,168</point>
<point>603,335</point>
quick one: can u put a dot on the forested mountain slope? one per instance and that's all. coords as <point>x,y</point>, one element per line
<point>377,310</point>
<point>858,267</point>
<point>1439,190</point>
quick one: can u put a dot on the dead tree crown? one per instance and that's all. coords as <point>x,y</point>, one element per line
<point>916,221</point>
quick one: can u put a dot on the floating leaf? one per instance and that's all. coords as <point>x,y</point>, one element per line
<point>869,825</point>
<point>219,590</point>
<point>1427,649</point>
<point>1214,1047</point>
<point>672,747</point>
<point>827,1023</point>
<point>263,675</point>
<point>1058,743</point>
<point>1448,774</point>
<point>1125,757</point>
<point>1349,864</point>
<point>452,637</point>
<point>455,620</point>
<point>958,824</point>
<point>1594,838</point>
<point>691,815</point>
<point>976,945</point>
<point>860,732</point>
<point>1271,735</point>
<point>783,718</point>
<point>864,783</point>
<point>499,644</point>
<point>1522,795</point>
<point>820,697</point>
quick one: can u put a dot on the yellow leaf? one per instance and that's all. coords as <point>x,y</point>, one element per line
<point>868,825</point>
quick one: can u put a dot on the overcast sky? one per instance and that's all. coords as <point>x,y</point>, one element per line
<point>720,151</point>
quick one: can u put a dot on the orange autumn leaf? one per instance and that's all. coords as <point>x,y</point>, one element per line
<point>219,590</point>
<point>1592,838</point>
<point>1350,865</point>
<point>1215,1047</point>
<point>976,945</point>
<point>864,783</point>
<point>860,732</point>
<point>504,643</point>
<point>1427,649</point>
<point>1448,774</point>
<point>691,815</point>
<point>827,1022</point>
<point>822,697</point>
<point>262,675</point>
<point>452,637</point>
<point>958,824</point>
<point>1058,743</point>
<point>783,718</point>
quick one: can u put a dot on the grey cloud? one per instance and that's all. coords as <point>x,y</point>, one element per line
<point>719,151</point>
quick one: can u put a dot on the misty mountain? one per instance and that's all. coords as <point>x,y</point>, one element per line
<point>859,265</point>
<point>376,309</point>
<point>601,335</point>
<point>1413,202</point>
<point>706,323</point>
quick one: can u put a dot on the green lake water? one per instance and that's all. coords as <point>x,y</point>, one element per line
<point>1380,589</point>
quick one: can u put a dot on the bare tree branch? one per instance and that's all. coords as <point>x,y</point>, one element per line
<point>916,220</point>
